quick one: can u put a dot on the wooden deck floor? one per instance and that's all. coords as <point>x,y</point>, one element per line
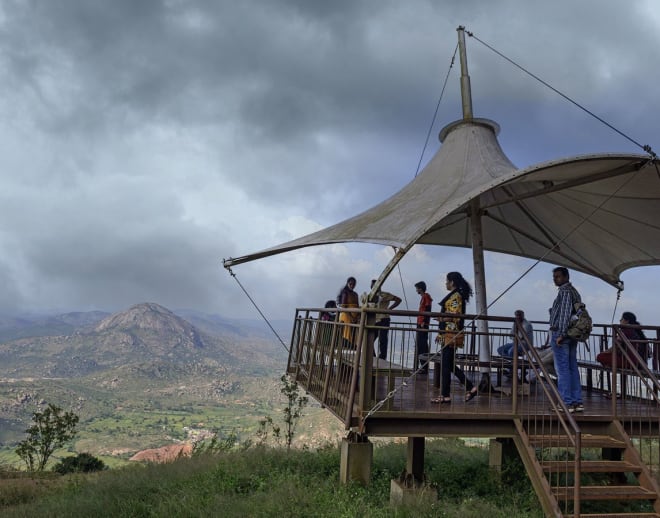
<point>410,410</point>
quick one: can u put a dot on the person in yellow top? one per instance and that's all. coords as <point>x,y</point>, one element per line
<point>450,336</point>
<point>348,298</point>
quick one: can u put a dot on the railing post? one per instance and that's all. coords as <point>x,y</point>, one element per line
<point>314,364</point>
<point>301,343</point>
<point>293,346</point>
<point>367,338</point>
<point>357,371</point>
<point>293,343</point>
<point>577,475</point>
<point>656,351</point>
<point>615,354</point>
<point>514,367</point>
<point>332,348</point>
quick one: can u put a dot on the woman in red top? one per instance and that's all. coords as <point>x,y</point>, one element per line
<point>423,321</point>
<point>635,336</point>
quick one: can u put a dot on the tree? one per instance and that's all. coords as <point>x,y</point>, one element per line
<point>51,430</point>
<point>293,409</point>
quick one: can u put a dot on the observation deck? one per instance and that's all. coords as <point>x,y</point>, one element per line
<point>391,397</point>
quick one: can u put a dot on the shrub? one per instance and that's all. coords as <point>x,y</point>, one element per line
<point>81,463</point>
<point>215,446</point>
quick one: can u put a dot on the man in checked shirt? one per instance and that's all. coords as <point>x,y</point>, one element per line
<point>564,348</point>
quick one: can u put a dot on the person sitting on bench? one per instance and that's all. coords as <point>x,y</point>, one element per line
<point>635,336</point>
<point>524,335</point>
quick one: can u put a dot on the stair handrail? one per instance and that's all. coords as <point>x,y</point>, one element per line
<point>561,411</point>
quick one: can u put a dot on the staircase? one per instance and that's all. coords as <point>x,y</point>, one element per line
<point>614,481</point>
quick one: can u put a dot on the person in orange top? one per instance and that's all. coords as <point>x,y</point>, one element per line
<point>423,321</point>
<point>348,298</point>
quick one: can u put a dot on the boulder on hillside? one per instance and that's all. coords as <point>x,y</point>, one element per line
<point>165,454</point>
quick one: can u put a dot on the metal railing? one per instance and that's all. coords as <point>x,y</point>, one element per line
<point>325,356</point>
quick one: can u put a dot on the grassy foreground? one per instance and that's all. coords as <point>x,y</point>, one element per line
<point>262,482</point>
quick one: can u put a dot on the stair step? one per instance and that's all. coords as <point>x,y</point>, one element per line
<point>606,493</point>
<point>592,466</point>
<point>588,441</point>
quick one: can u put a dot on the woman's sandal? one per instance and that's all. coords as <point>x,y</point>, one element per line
<point>441,400</point>
<point>471,395</point>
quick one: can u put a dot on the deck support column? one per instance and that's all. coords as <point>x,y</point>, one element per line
<point>357,454</point>
<point>500,450</point>
<point>415,457</point>
<point>411,486</point>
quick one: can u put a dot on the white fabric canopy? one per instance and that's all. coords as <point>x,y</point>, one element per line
<point>596,213</point>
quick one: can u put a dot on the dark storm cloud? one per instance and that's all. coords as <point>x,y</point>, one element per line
<point>275,74</point>
<point>287,69</point>
<point>165,135</point>
<point>281,68</point>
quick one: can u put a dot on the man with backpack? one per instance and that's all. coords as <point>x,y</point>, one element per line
<point>564,348</point>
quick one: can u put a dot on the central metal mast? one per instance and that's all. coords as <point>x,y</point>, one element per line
<point>466,90</point>
<point>476,230</point>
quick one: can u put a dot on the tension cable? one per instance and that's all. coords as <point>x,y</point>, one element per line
<point>644,147</point>
<point>257,308</point>
<point>435,114</point>
<point>618,296</point>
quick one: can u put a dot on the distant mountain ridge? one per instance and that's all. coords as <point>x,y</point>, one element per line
<point>23,326</point>
<point>146,335</point>
<point>137,378</point>
<point>14,326</point>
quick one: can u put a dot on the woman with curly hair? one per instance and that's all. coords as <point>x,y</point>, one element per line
<point>451,336</point>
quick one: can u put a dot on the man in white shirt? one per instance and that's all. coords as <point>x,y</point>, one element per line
<point>527,334</point>
<point>383,301</point>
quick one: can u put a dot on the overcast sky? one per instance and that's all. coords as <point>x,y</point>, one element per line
<point>143,141</point>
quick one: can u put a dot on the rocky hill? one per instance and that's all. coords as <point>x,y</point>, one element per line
<point>143,335</point>
<point>157,327</point>
<point>140,378</point>
<point>150,330</point>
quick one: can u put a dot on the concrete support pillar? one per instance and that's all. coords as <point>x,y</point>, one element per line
<point>357,454</point>
<point>499,451</point>
<point>419,493</point>
<point>411,487</point>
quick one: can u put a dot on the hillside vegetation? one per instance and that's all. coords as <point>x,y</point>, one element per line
<point>142,378</point>
<point>267,482</point>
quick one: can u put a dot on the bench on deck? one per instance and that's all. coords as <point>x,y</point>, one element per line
<point>590,367</point>
<point>604,370</point>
